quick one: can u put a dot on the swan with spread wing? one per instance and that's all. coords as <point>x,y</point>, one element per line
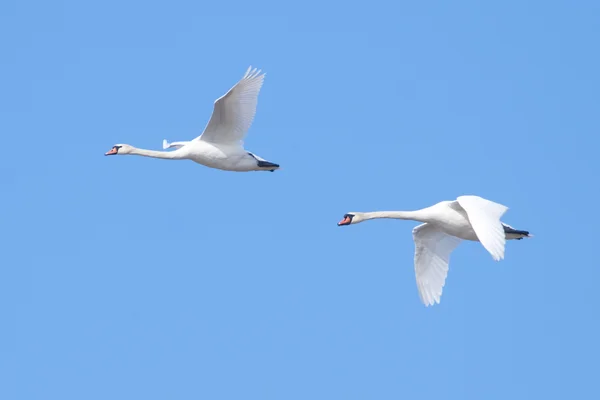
<point>220,146</point>
<point>445,225</point>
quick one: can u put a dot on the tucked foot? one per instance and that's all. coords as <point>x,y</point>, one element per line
<point>512,233</point>
<point>266,164</point>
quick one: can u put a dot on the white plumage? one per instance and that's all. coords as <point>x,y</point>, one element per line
<point>221,143</point>
<point>445,225</point>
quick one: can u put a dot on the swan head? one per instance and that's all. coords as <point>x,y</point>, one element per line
<point>351,218</point>
<point>119,149</point>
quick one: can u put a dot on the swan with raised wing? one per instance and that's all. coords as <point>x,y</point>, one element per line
<point>220,146</point>
<point>445,225</point>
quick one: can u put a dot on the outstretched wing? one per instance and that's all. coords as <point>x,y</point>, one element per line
<point>432,255</point>
<point>484,216</point>
<point>234,112</point>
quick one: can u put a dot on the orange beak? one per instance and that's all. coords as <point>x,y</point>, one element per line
<point>345,221</point>
<point>112,151</point>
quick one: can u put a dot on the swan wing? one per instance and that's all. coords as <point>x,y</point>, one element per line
<point>432,255</point>
<point>177,145</point>
<point>484,216</point>
<point>234,112</point>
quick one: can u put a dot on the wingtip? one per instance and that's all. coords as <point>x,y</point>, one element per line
<point>253,73</point>
<point>165,144</point>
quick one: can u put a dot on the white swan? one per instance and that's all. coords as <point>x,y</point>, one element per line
<point>221,144</point>
<point>445,224</point>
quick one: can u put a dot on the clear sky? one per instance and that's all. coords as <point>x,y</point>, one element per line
<point>136,278</point>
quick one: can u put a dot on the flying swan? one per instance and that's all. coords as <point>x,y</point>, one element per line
<point>445,224</point>
<point>221,144</point>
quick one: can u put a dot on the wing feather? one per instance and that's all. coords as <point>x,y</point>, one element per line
<point>233,113</point>
<point>432,256</point>
<point>484,216</point>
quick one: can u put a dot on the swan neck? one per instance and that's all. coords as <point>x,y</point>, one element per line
<point>418,215</point>
<point>169,155</point>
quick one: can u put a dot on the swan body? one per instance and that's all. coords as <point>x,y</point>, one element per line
<point>445,224</point>
<point>221,144</point>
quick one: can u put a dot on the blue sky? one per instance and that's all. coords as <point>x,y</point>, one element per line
<point>127,277</point>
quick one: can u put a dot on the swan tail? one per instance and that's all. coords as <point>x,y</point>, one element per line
<point>264,164</point>
<point>516,234</point>
<point>268,166</point>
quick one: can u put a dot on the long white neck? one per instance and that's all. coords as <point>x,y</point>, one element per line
<point>419,215</point>
<point>169,155</point>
